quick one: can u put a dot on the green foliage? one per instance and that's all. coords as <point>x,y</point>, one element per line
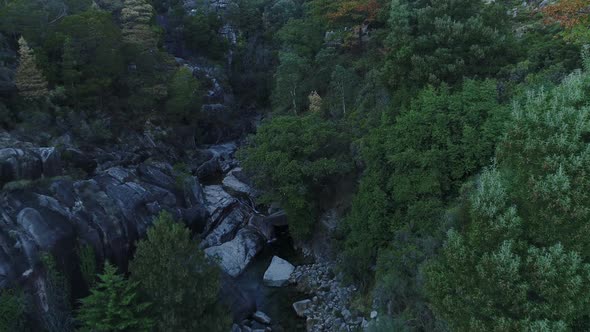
<point>184,97</point>
<point>177,278</point>
<point>57,310</point>
<point>303,37</point>
<point>182,174</point>
<point>413,168</point>
<point>443,41</point>
<point>296,160</point>
<point>113,305</point>
<point>343,84</point>
<point>278,14</point>
<point>292,86</point>
<point>29,18</point>
<point>521,261</point>
<point>200,34</point>
<point>12,310</point>
<point>88,264</point>
<point>88,47</point>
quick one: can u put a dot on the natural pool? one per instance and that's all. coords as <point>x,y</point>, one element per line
<point>275,302</point>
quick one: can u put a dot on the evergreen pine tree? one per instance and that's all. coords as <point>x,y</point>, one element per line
<point>181,282</point>
<point>522,261</point>
<point>12,310</point>
<point>29,79</point>
<point>113,305</point>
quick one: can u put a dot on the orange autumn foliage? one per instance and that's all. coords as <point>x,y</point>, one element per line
<point>568,13</point>
<point>363,10</point>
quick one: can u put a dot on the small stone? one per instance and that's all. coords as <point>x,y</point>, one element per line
<point>261,317</point>
<point>365,324</point>
<point>357,320</point>
<point>373,314</point>
<point>301,306</point>
<point>236,328</point>
<point>310,323</point>
<point>346,314</point>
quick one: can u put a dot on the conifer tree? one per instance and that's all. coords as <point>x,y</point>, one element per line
<point>29,79</point>
<point>12,310</point>
<point>180,281</point>
<point>113,305</point>
<point>522,261</point>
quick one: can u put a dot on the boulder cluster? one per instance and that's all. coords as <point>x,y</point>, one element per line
<point>328,307</point>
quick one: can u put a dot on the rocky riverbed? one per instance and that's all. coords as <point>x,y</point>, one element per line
<point>58,197</point>
<point>327,307</point>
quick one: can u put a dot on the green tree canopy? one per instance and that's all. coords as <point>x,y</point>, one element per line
<point>521,260</point>
<point>12,310</point>
<point>114,305</point>
<point>414,167</point>
<point>296,159</point>
<point>184,97</point>
<point>174,274</point>
<point>443,41</point>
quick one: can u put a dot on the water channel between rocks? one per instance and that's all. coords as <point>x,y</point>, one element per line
<point>275,302</point>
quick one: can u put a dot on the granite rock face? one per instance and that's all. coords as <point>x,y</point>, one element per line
<point>108,199</point>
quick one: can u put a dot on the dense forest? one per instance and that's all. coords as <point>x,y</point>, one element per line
<point>455,133</point>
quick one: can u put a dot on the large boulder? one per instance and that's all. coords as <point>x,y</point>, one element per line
<point>195,218</point>
<point>75,158</point>
<point>50,161</point>
<point>278,273</point>
<point>224,153</point>
<point>278,218</point>
<point>46,234</point>
<point>261,317</point>
<point>234,184</point>
<point>264,228</point>
<point>226,228</point>
<point>218,202</point>
<point>19,164</point>
<point>235,255</point>
<point>156,175</point>
<point>193,192</point>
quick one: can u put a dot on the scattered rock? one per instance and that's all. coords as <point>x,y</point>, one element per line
<point>278,272</point>
<point>373,314</point>
<point>300,307</point>
<point>329,308</point>
<point>261,317</point>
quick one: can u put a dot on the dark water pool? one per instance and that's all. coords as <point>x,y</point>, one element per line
<point>275,302</point>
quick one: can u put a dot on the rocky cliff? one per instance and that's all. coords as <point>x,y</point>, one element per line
<point>58,198</point>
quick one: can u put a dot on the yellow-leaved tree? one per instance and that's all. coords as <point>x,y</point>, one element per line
<point>29,79</point>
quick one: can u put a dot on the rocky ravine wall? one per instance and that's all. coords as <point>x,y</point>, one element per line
<point>112,207</point>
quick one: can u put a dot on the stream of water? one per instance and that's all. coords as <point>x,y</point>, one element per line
<point>275,302</point>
